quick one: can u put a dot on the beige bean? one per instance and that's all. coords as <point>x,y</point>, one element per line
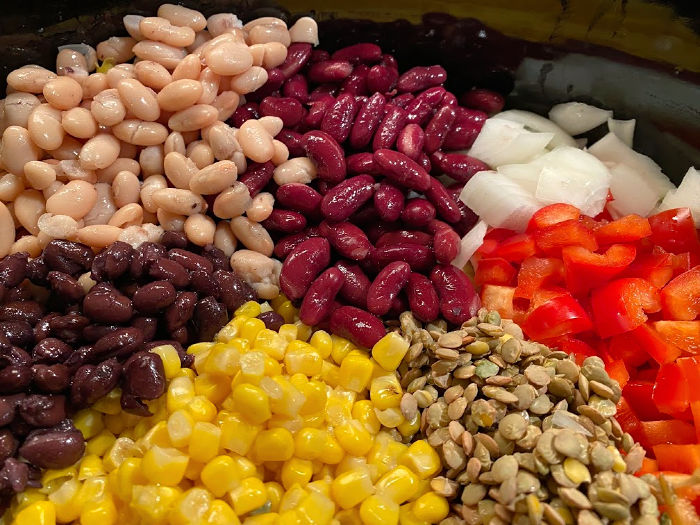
<point>94,84</point>
<point>68,150</point>
<point>98,235</point>
<point>140,101</point>
<point>30,78</point>
<point>7,230</point>
<point>71,63</point>
<point>193,118</point>
<point>255,141</point>
<point>11,185</point>
<point>264,33</point>
<point>214,178</point>
<point>200,229</point>
<point>211,83</point>
<point>189,67</point>
<point>28,244</point>
<point>38,175</point>
<point>107,108</point>
<point>249,81</point>
<point>233,201</point>
<point>299,169</point>
<point>182,16</point>
<point>229,58</point>
<point>200,153</point>
<point>259,271</point>
<point>126,188</point>
<point>151,160</point>
<point>140,133</point>
<point>180,94</point>
<point>148,188</point>
<point>201,38</point>
<point>275,54</point>
<point>179,169</point>
<point>52,188</point>
<point>131,24</point>
<point>29,206</point>
<point>260,207</point>
<point>240,161</point>
<point>174,142</point>
<point>63,92</point>
<point>104,206</point>
<point>221,23</point>
<point>224,239</point>
<point>99,152</point>
<point>226,103</point>
<point>75,199</point>
<point>57,226</point>
<point>252,235</point>
<point>118,73</point>
<point>72,169</point>
<point>304,30</point>
<point>128,215</point>
<point>79,123</point>
<point>222,139</point>
<point>182,202</point>
<point>18,107</point>
<point>166,55</point>
<point>152,74</point>
<point>273,125</point>
<point>44,126</point>
<point>281,153</point>
<point>116,49</point>
<point>171,222</point>
<point>121,164</point>
<point>265,21</point>
<point>16,149</point>
<point>161,30</point>
<point>258,53</point>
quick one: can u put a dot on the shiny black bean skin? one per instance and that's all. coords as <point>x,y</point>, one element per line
<point>43,410</point>
<point>18,293</point>
<point>209,317</point>
<point>51,379</point>
<point>147,325</point>
<point>70,257</point>
<point>113,262</point>
<point>181,311</point>
<point>133,405</point>
<point>120,343</point>
<point>182,335</point>
<point>217,257</point>
<point>8,444</point>
<point>15,379</point>
<point>42,329</point>
<point>272,320</point>
<point>27,311</point>
<point>166,270</point>
<point>8,408</point>
<point>90,383</point>
<point>79,357</point>
<point>18,333</point>
<point>12,355</point>
<point>51,448</point>
<point>145,255</point>
<point>203,284</point>
<point>14,476</point>
<point>172,239</point>
<point>144,376</point>
<point>37,270</point>
<point>66,287</point>
<point>93,332</point>
<point>154,297</point>
<point>190,261</point>
<point>51,350</point>
<point>69,327</point>
<point>13,269</point>
<point>234,290</point>
<point>106,304</point>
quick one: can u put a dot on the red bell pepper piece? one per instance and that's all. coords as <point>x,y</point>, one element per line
<point>494,270</point>
<point>683,334</point>
<point>552,239</point>
<point>690,368</point>
<point>629,228</point>
<point>572,345</point>
<point>586,270</point>
<point>653,344</point>
<point>669,431</point>
<point>629,421</point>
<point>678,458</point>
<point>558,316</point>
<point>670,393</point>
<point>681,297</point>
<point>618,371</point>
<point>695,410</point>
<point>498,234</point>
<point>620,305</point>
<point>674,230</point>
<point>498,298</point>
<point>649,466</point>
<point>638,395</point>
<point>656,267</point>
<point>516,248</point>
<point>625,347</point>
<point>552,214</point>
<point>537,272</point>
<point>681,262</point>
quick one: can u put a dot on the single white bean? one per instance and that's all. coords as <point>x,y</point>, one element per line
<point>166,55</point>
<point>200,229</point>
<point>121,164</point>
<point>182,202</point>
<point>116,49</point>
<point>252,235</point>
<point>152,74</point>
<point>189,68</point>
<point>18,107</point>
<point>140,133</point>
<point>108,108</point>
<point>68,150</point>
<point>193,118</point>
<point>94,84</point>
<point>99,152</point>
<point>126,188</point>
<point>229,58</point>
<point>214,178</point>
<point>38,174</point>
<point>249,81</point>
<point>241,162</point>
<point>148,188</point>
<point>79,122</point>
<point>16,149</point>
<point>161,30</point>
<point>11,185</point>
<point>75,199</point>
<point>179,15</point>
<point>299,169</point>
<point>281,153</point>
<point>264,33</point>
<point>128,215</point>
<point>63,92</point>
<point>180,94</point>
<point>226,102</point>
<point>7,230</point>
<point>255,141</point>
<point>57,226</point>
<point>222,139</point>
<point>260,207</point>
<point>131,24</point>
<point>265,21</point>
<point>118,73</point>
<point>175,143</point>
<point>211,82</point>
<point>45,128</point>
<point>151,160</point>
<point>179,169</point>
<point>28,244</point>
<point>104,206</point>
<point>304,30</point>
<point>221,23</point>
<point>28,207</point>
<point>224,239</point>
<point>171,222</point>
<point>273,125</point>
<point>30,78</point>
<point>140,101</point>
<point>232,202</point>
<point>99,235</point>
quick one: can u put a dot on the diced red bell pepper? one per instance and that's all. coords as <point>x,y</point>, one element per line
<point>558,316</point>
<point>690,368</point>
<point>681,297</point>
<point>553,214</point>
<point>653,344</point>
<point>674,230</point>
<point>538,272</point>
<point>678,458</point>
<point>683,334</point>
<point>494,270</point>
<point>620,305</point>
<point>515,248</point>
<point>669,431</point>
<point>625,347</point>
<point>618,371</point>
<point>498,298</point>
<point>695,410</point>
<point>498,234</point>
<point>656,267</point>
<point>572,345</point>
<point>586,270</point>
<point>681,262</point>
<point>649,466</point>
<point>629,421</point>
<point>638,395</point>
<point>629,228</point>
<point>670,393</point>
<point>552,239</point>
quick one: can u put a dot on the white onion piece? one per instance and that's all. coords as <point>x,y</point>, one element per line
<point>470,244</point>
<point>504,142</point>
<point>623,129</point>
<point>499,201</point>
<point>686,196</point>
<point>537,123</point>
<point>526,175</point>
<point>632,192</point>
<point>576,117</point>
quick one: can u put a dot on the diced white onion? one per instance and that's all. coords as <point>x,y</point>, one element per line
<point>506,142</point>
<point>623,129</point>
<point>537,123</point>
<point>576,117</point>
<point>686,196</point>
<point>470,243</point>
<point>527,175</point>
<point>632,192</point>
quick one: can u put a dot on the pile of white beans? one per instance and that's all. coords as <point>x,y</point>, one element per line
<point>128,149</point>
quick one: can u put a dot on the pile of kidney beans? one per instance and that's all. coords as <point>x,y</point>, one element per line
<point>375,232</point>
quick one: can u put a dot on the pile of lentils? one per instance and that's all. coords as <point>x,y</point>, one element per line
<point>525,434</point>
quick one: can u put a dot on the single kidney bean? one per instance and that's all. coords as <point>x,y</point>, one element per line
<point>438,127</point>
<point>381,78</point>
<point>144,376</point>
<point>13,269</point>
<point>43,411</point>
<point>458,299</point>
<point>389,61</point>
<point>8,408</point>
<point>389,202</point>
<point>292,140</point>
<point>66,287</point>
<point>172,239</point>
<point>356,82</point>
<point>79,357</point>
<point>55,448</point>
<point>323,149</point>
<point>402,100</point>
<point>299,197</point>
<point>362,52</point>
<point>418,111</point>
<point>289,110</point>
<point>389,128</point>
<point>120,343</point>
<point>12,355</point>
<point>424,162</point>
<point>298,55</point>
<point>420,258</point>
<point>15,378</point>
<point>459,166</point>
<point>443,201</point>
<point>18,333</point>
<point>8,448</point>
<point>190,261</point>
<point>257,176</point>
<point>166,270</point>
<point>91,382</point>
<point>318,300</point>
<point>337,120</point>
<point>421,77</point>
<point>318,108</point>
<point>302,265</point>
<point>284,221</point>
<point>318,55</point>
<point>286,244</point>
<point>386,287</point>
<point>361,327</point>
<point>272,320</point>
<point>27,311</point>
<point>105,304</point>
<point>209,317</point>
<point>422,297</point>
<point>181,311</point>
<point>68,257</point>
<point>343,200</point>
<point>113,262</point>
<point>446,245</point>
<point>484,100</point>
<point>50,350</point>
<point>411,140</point>
<point>402,170</point>
<point>153,297</point>
<point>404,237</point>
<point>417,212</point>
<point>355,284</point>
<point>247,111</point>
<point>347,239</point>
<point>329,71</point>
<point>324,91</point>
<point>296,87</point>
<point>144,256</point>
<point>51,379</point>
<point>37,270</point>
<point>465,129</point>
<point>367,121</point>
<point>360,163</point>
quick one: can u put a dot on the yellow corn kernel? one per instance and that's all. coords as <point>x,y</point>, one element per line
<point>272,367</point>
<point>157,435</point>
<point>101,512</point>
<point>269,518</point>
<point>353,437</point>
<point>339,406</point>
<point>153,503</point>
<point>349,517</point>
<point>201,409</point>
<point>272,343</point>
<point>332,453</point>
<point>277,301</point>
<point>302,359</point>
<point>191,507</point>
<point>248,496</point>
<point>406,516</point>
<point>291,499</point>
<point>228,332</point>
<point>355,371</point>
<point>28,497</point>
<point>215,387</point>
<point>221,513</point>
<point>251,309</point>
<point>109,404</point>
<point>351,463</point>
<point>296,471</point>
<point>385,453</point>
<point>60,474</point>
<point>619,464</point>
<point>186,372</point>
<point>194,470</point>
<point>390,417</point>
<point>164,465</point>
<point>252,402</point>
<point>39,513</point>
<point>385,392</point>
<point>237,434</point>
<point>431,507</point>
<point>303,331</point>
<point>276,444</point>
<point>115,423</point>
<point>399,484</point>
<point>330,374</point>
<point>204,442</point>
<point>423,488</point>
<point>390,350</point>
<point>127,475</point>
<point>422,459</point>
<point>253,366</point>
<point>408,428</point>
<point>322,342</point>
<point>250,329</point>
<point>179,427</point>
<point>89,422</point>
<point>288,400</point>
<point>90,466</point>
<point>63,499</point>
<point>316,509</point>
<point>220,475</point>
<point>379,510</point>
<point>180,393</point>
<point>341,348</point>
<point>363,411</point>
<point>316,395</point>
<point>100,444</point>
<point>352,487</point>
<point>274,494</point>
<point>123,448</point>
<point>92,489</point>
<point>288,332</point>
<point>170,358</point>
<point>222,359</point>
<point>321,486</point>
<point>309,442</point>
<point>288,312</point>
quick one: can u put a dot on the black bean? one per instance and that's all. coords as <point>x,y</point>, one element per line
<point>79,357</point>
<point>272,320</point>
<point>70,257</point>
<point>53,448</point>
<point>145,255</point>
<point>113,262</point>
<point>15,378</point>
<point>234,290</point>
<point>120,343</point>
<point>43,410</point>
<point>174,240</point>
<point>8,408</point>
<point>20,428</point>
<point>18,333</point>
<point>217,257</point>
<point>93,332</point>
<point>13,269</point>
<point>51,350</point>
<point>42,329</point>
<point>181,311</point>
<point>154,297</point>
<point>37,270</point>
<point>209,317</point>
<point>18,293</point>
<point>191,261</point>
<point>90,382</point>
<point>27,311</point>
<point>106,304</point>
<point>51,379</point>
<point>66,287</point>
<point>12,355</point>
<point>182,335</point>
<point>166,270</point>
<point>8,444</point>
<point>69,327</point>
<point>204,285</point>
<point>14,475</point>
<point>133,405</point>
<point>144,376</point>
<point>147,325</point>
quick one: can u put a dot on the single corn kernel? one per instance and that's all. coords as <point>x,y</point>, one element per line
<point>276,444</point>
<point>385,392</point>
<point>272,367</point>
<point>399,484</point>
<point>422,459</point>
<point>288,331</point>
<point>90,466</point>
<point>38,513</point>
<point>92,489</point>
<point>28,497</point>
<point>309,442</point>
<point>100,512</point>
<point>221,513</point>
<point>204,442</point>
<point>316,394</point>
<point>89,422</point>
<point>303,331</point>
<point>619,464</point>
<point>270,342</point>
<point>63,499</point>
<point>296,471</point>
<point>352,487</point>
<point>322,342</point>
<point>265,307</point>
<point>321,486</point>
<point>223,359</point>
<point>355,371</point>
<point>341,348</point>
<point>153,503</point>
<point>179,427</point>
<point>288,312</point>
<point>332,453</point>
<point>186,372</point>
<point>353,437</point>
<point>253,366</point>
<point>123,448</point>
<point>302,358</point>
<point>350,463</point>
<point>250,329</point>
<point>100,444</point>
<point>339,406</point>
<point>180,393</point>
<point>379,510</point>
<point>170,358</point>
<point>330,374</point>
<point>252,402</point>
<point>288,400</point>
<point>291,499</point>
<point>408,428</point>
<point>277,301</point>
<point>316,508</point>
<point>431,507</point>
<point>363,411</point>
<point>250,309</point>
<point>220,475</point>
<point>576,471</point>
<point>157,435</point>
<point>406,516</point>
<point>201,409</point>
<point>164,465</point>
<point>390,417</point>
<point>191,507</point>
<point>390,350</point>
<point>237,434</point>
<point>109,404</point>
<point>60,474</point>
<point>248,496</point>
<point>127,475</point>
<point>215,387</point>
<point>274,491</point>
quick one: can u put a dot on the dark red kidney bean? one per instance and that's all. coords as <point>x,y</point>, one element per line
<point>404,237</point>
<point>173,239</point>
<point>51,379</point>
<point>403,100</point>
<point>318,300</point>
<point>154,297</point>
<point>459,166</point>
<point>105,304</point>
<point>68,257</point>
<point>422,298</point>
<point>55,448</point>
<point>438,127</point>
<point>362,52</point>
<point>361,327</point>
<point>421,77</point>
<point>420,258</point>
<point>436,225</point>
<point>8,408</point>
<point>347,197</point>
<point>37,270</point>
<point>296,87</point>
<point>247,111</point>
<point>328,155</point>
<point>411,140</point>
<point>216,257</point>
<point>299,197</point>
<point>398,306</point>
<point>297,56</point>
<point>390,61</point>
<point>386,287</point>
<point>367,121</point>
<point>417,212</point>
<point>181,311</point>
<point>367,217</point>
<point>381,78</point>
<point>66,287</point>
<point>286,108</point>
<point>458,299</point>
<point>202,283</point>
<point>303,265</point>
<point>144,376</point>
<point>443,201</point>
<point>450,100</point>
<point>93,332</point>
<point>360,163</point>
<point>43,328</point>
<point>418,111</point>
<point>286,244</point>
<point>469,218</point>
<point>234,290</point>
<point>18,333</point>
<point>389,128</point>
<point>465,129</point>
<point>329,71</point>
<point>50,350</point>
<point>120,343</point>
<point>92,382</point>
<point>166,270</point>
<point>484,100</point>
<point>337,121</point>
<point>356,83</point>
<point>324,91</point>
<point>13,269</point>
<point>8,448</point>
<point>272,320</point>
<point>209,317</point>
<point>317,110</point>
<point>190,261</point>
<point>113,262</point>
<point>433,96</point>
<point>145,255</point>
<point>355,284</point>
<point>43,411</point>
<point>389,202</point>
<point>257,176</point>
<point>446,245</point>
<point>284,221</point>
<point>27,311</point>
<point>319,55</point>
<point>275,79</point>
<point>347,239</point>
<point>402,170</point>
<point>292,140</point>
<point>14,379</point>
